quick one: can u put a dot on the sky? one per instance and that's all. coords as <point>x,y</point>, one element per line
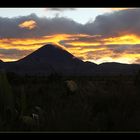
<point>92,34</point>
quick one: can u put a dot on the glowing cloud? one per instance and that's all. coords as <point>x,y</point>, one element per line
<point>119,9</point>
<point>124,39</point>
<point>124,48</point>
<point>30,24</point>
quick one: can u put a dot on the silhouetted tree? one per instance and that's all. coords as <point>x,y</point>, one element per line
<point>6,97</point>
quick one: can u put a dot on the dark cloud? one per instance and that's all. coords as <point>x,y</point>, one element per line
<point>60,9</point>
<point>112,51</point>
<point>116,23</point>
<point>9,27</point>
<point>97,54</point>
<point>128,49</point>
<point>13,53</point>
<point>119,48</point>
<point>86,39</point>
<point>111,24</point>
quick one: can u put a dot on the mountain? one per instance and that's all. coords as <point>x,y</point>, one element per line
<point>113,68</point>
<point>47,60</point>
<point>51,59</point>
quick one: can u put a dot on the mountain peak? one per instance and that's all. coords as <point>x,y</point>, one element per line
<point>52,50</point>
<point>51,46</point>
<point>50,53</point>
<point>52,58</point>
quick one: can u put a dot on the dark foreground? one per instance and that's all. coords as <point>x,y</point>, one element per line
<point>80,104</point>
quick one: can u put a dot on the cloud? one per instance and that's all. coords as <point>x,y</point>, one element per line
<point>29,24</point>
<point>60,9</point>
<point>107,53</point>
<point>9,27</point>
<point>127,49</point>
<point>137,61</point>
<point>118,9</point>
<point>116,23</point>
<point>107,25</point>
<point>13,54</point>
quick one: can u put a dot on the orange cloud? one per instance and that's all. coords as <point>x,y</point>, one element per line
<point>124,39</point>
<point>97,51</point>
<point>100,51</point>
<point>33,43</point>
<point>118,9</point>
<point>130,39</point>
<point>29,24</point>
<point>84,44</point>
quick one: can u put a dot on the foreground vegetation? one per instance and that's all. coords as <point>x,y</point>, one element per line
<point>39,103</point>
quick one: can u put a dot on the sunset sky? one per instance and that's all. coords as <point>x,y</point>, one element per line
<point>91,34</point>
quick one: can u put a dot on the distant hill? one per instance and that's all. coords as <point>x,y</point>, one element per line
<point>113,68</point>
<point>1,61</point>
<point>51,59</point>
